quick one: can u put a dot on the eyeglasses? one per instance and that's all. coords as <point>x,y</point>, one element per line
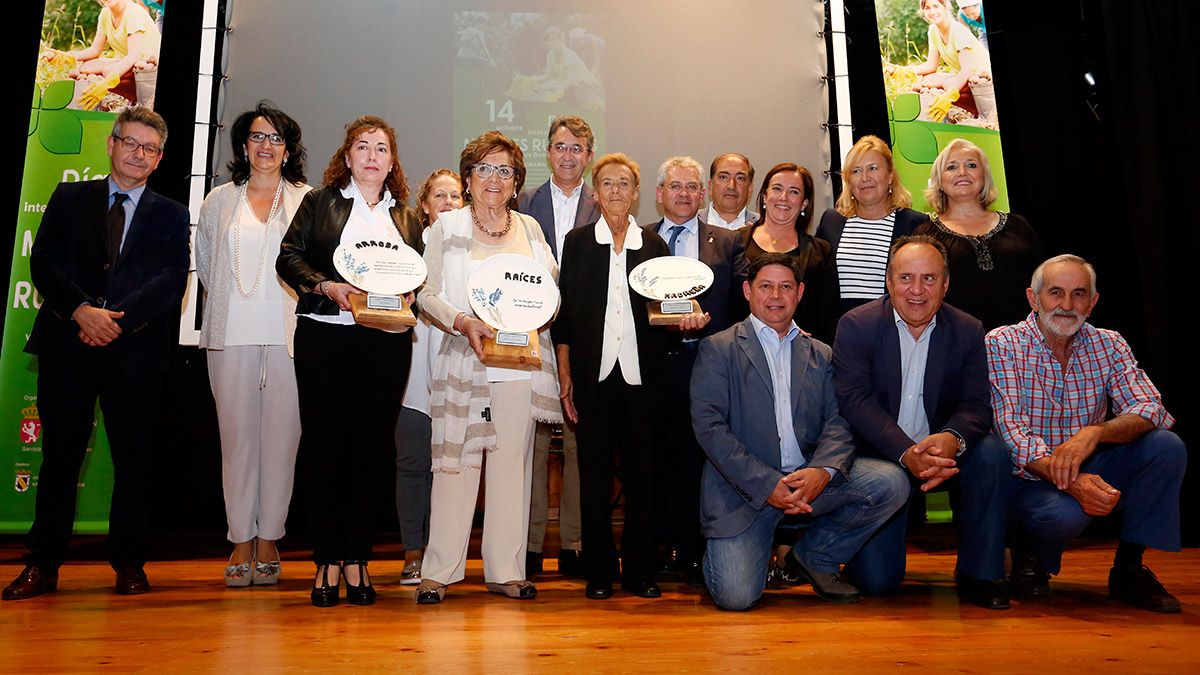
<point>503,171</point>
<point>130,145</point>
<point>574,148</point>
<point>259,137</point>
<point>684,187</point>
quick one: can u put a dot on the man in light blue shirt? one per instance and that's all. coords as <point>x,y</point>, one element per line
<point>765,414</point>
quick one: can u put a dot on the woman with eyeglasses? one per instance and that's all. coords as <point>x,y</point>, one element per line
<point>249,321</point>
<point>349,377</point>
<point>479,410</point>
<point>611,370</point>
<point>785,210</point>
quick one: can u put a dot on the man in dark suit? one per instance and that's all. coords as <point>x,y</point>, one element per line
<point>679,459</point>
<point>912,381</point>
<point>110,259</point>
<point>560,205</point>
<point>730,177</point>
<point>764,411</point>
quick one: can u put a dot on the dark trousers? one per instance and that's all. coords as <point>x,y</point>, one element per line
<point>414,477</point>
<point>679,461</point>
<point>68,388</point>
<point>350,382</point>
<point>1148,472</point>
<point>618,420</point>
<point>984,478</point>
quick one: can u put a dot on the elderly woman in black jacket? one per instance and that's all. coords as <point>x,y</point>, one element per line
<point>347,375</point>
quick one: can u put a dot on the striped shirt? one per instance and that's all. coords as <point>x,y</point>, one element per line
<point>862,256</point>
<point>1039,405</point>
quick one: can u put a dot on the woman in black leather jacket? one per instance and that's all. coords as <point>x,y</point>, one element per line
<point>349,377</point>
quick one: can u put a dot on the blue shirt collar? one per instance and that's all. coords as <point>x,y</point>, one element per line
<point>134,196</point>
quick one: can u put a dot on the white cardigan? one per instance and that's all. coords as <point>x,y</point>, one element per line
<point>213,268</point>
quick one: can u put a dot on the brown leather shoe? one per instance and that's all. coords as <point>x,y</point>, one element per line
<point>131,580</point>
<point>31,582</point>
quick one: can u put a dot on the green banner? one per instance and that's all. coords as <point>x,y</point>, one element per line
<point>85,48</point>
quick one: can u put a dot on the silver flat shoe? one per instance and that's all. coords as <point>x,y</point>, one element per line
<point>430,592</point>
<point>517,590</point>
<point>411,575</point>
<point>239,575</point>
<point>266,573</point>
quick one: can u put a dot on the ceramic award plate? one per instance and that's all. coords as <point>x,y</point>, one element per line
<point>383,267</point>
<point>513,293</point>
<point>671,278</point>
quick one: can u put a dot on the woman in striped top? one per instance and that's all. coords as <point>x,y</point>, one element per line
<point>871,213</point>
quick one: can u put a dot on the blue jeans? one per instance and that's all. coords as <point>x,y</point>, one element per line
<point>1148,472</point>
<point>844,516</point>
<point>984,477</point>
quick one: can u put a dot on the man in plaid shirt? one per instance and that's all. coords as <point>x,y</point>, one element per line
<point>1052,377</point>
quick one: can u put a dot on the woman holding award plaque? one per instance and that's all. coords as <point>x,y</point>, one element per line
<point>611,374</point>
<point>785,211</point>
<point>480,410</point>
<point>347,374</point>
<point>249,321</point>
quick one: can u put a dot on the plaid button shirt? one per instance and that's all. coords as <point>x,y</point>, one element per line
<point>1039,405</point>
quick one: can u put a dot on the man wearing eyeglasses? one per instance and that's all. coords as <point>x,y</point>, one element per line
<point>730,177</point>
<point>680,461</point>
<point>110,261</point>
<point>560,205</point>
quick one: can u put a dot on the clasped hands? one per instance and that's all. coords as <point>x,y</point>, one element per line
<point>98,327</point>
<point>795,492</point>
<point>933,459</point>
<point>1095,496</point>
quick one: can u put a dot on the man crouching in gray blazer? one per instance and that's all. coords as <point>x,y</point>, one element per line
<point>765,413</point>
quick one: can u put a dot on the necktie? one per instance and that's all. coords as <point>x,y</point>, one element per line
<point>676,230</point>
<point>116,226</point>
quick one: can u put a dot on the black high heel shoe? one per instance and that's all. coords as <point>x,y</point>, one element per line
<point>364,592</point>
<point>325,595</point>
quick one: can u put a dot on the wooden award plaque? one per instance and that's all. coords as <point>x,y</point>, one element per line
<point>512,350</point>
<point>389,313</point>
<point>670,312</point>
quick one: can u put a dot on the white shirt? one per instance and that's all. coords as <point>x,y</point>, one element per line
<point>715,218</point>
<point>565,208</point>
<point>364,223</point>
<point>914,355</point>
<point>620,338</point>
<point>255,320</point>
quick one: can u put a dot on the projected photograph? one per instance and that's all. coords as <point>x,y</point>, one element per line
<point>108,49</point>
<point>516,71</point>
<point>937,49</point>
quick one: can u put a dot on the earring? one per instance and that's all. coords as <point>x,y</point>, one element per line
<point>889,188</point>
<point>852,198</point>
<point>803,213</point>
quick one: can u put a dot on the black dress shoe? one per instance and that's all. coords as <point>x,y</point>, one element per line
<point>1029,580</point>
<point>643,589</point>
<point>986,594</point>
<point>570,563</point>
<point>599,590</point>
<point>32,582</point>
<point>131,580</point>
<point>1139,587</point>
<point>364,592</point>
<point>325,595</point>
<point>829,586</point>
<point>533,564</point>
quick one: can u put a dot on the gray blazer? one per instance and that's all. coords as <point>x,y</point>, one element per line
<point>734,421</point>
<point>538,202</point>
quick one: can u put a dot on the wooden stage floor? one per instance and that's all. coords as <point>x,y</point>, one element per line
<point>192,623</point>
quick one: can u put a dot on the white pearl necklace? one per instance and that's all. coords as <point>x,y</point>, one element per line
<point>237,240</point>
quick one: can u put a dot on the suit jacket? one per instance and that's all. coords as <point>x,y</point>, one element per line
<point>721,250</point>
<point>734,420</point>
<point>69,267</point>
<point>583,285</point>
<point>306,254</point>
<point>866,361</point>
<point>539,203</point>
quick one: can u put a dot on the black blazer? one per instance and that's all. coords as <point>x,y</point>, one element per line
<point>866,374</point>
<point>583,285</point>
<point>721,250</point>
<point>69,267</point>
<point>833,223</point>
<point>306,254</point>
